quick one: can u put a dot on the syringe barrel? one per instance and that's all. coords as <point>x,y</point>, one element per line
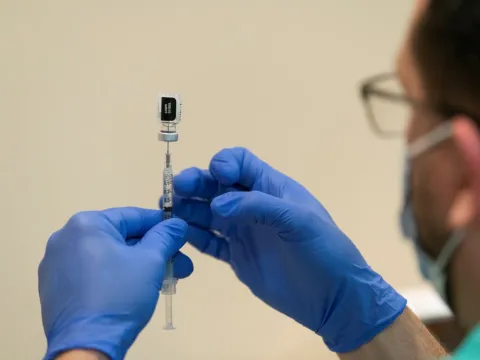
<point>169,282</point>
<point>169,286</point>
<point>167,191</point>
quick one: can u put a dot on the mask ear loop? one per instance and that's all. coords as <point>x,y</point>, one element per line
<point>444,259</point>
<point>429,140</point>
<point>441,133</point>
<point>447,252</point>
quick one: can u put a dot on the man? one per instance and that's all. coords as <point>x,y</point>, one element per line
<point>101,274</point>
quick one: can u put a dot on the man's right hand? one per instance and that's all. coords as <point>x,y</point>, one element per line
<point>283,244</point>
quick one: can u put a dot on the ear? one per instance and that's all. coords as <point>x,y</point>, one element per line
<point>421,5</point>
<point>466,206</point>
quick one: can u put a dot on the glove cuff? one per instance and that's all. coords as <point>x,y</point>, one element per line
<point>109,340</point>
<point>366,307</point>
<point>54,352</point>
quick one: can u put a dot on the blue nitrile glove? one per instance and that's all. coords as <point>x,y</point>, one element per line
<point>283,244</point>
<point>100,278</point>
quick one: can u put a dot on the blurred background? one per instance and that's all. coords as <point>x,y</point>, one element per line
<point>79,81</point>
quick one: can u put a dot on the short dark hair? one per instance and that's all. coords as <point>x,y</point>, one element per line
<point>446,48</point>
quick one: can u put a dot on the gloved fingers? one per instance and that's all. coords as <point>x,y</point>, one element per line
<point>182,265</point>
<point>195,183</point>
<point>199,184</point>
<point>132,241</point>
<point>208,243</point>
<point>258,208</point>
<point>194,212</point>
<point>239,167</point>
<point>132,222</point>
<point>165,238</point>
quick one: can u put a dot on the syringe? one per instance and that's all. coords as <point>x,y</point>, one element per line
<point>169,114</point>
<point>169,282</point>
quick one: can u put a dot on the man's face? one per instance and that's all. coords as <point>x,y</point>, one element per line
<point>437,179</point>
<point>434,181</point>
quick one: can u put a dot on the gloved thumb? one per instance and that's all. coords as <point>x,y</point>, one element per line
<point>166,238</point>
<point>258,208</point>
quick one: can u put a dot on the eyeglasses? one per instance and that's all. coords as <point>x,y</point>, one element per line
<point>388,108</point>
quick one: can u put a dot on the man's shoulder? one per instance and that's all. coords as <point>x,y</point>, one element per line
<point>470,348</point>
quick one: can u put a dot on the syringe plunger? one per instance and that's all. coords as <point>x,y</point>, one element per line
<point>169,288</point>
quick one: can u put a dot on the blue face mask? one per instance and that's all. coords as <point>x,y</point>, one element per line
<point>432,270</point>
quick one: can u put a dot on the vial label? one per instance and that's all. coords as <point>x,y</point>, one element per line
<point>169,109</point>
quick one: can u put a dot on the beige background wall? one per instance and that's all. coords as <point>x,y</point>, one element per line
<point>78,85</point>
